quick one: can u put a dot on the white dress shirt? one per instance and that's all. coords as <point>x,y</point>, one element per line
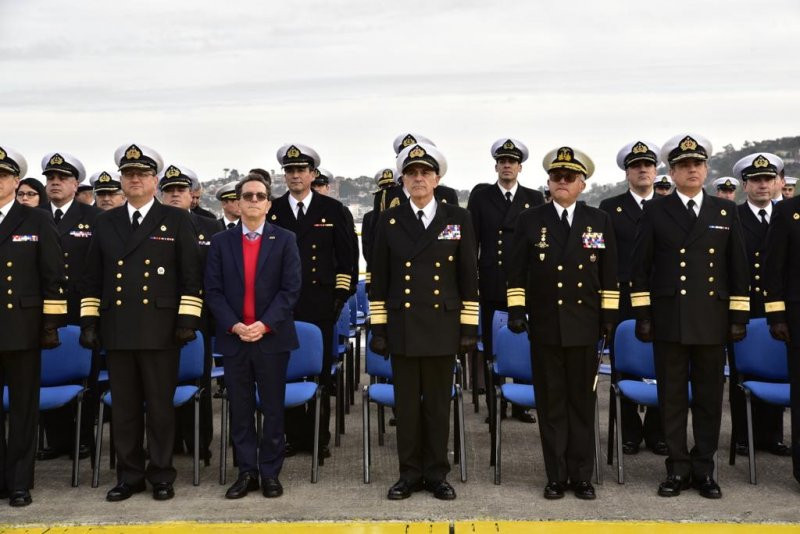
<point>428,211</point>
<point>513,190</point>
<point>755,209</point>
<point>560,209</point>
<point>698,201</point>
<point>143,210</point>
<point>305,200</point>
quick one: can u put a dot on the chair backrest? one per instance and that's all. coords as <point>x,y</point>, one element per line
<point>305,360</point>
<point>343,321</point>
<point>499,320</point>
<point>512,354</point>
<point>631,356</point>
<point>190,366</point>
<point>376,365</point>
<point>759,355</point>
<point>361,297</point>
<point>68,362</point>
<point>352,302</point>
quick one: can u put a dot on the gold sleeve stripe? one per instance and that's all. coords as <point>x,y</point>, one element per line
<point>469,319</point>
<point>90,311</point>
<point>743,299</point>
<point>90,300</point>
<point>516,301</point>
<point>368,278</point>
<point>777,306</point>
<point>609,303</point>
<point>187,299</point>
<point>194,311</point>
<point>609,293</point>
<point>640,299</point>
<point>377,318</point>
<point>55,307</point>
<point>738,305</point>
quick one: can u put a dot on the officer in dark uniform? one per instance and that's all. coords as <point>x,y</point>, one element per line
<point>563,273</point>
<point>231,212</point>
<point>324,238</point>
<point>107,190</point>
<point>322,185</point>
<point>33,307</point>
<point>197,209</point>
<point>639,160</point>
<point>424,310</point>
<point>758,172</point>
<point>782,300</point>
<point>725,187</point>
<point>494,212</point>
<point>142,302</point>
<point>662,185</point>
<point>176,183</point>
<point>74,221</point>
<point>690,296</point>
<point>384,179</point>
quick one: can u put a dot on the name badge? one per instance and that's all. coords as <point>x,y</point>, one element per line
<point>27,238</point>
<point>451,232</point>
<point>593,240</point>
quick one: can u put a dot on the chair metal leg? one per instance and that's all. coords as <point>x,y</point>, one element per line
<point>611,425</point>
<point>98,439</point>
<point>474,368</point>
<point>76,449</point>
<point>751,453</point>
<point>456,437</point>
<point>496,443</point>
<point>196,473</point>
<point>598,452</point>
<point>491,394</point>
<point>365,450</point>
<point>340,397</point>
<point>381,424</point>
<point>339,419</point>
<point>357,368</point>
<point>315,454</point>
<point>462,449</point>
<point>223,440</point>
<point>620,455</point>
<point>351,379</point>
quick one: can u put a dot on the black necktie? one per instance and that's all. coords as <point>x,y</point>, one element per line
<point>692,215</point>
<point>57,215</point>
<point>565,220</point>
<point>763,214</point>
<point>420,214</point>
<point>300,212</point>
<point>508,197</point>
<point>641,203</point>
<point>231,225</point>
<point>135,220</point>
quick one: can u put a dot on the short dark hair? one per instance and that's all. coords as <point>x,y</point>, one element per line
<point>262,173</point>
<point>253,177</point>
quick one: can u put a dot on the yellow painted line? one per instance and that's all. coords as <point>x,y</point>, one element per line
<point>243,528</point>
<point>617,527</point>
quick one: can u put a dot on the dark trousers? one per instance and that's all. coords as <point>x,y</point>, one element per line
<point>422,393</point>
<point>140,378</point>
<point>563,379</point>
<point>299,421</point>
<point>244,372</point>
<point>767,418</point>
<point>21,372</point>
<point>676,366</point>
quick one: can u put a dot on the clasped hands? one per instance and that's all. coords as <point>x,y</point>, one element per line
<point>251,333</point>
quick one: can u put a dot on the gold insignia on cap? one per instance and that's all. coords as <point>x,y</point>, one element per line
<point>418,152</point>
<point>133,152</point>
<point>56,160</point>
<point>293,152</point>
<point>408,141</point>
<point>105,177</point>
<point>639,148</point>
<point>688,144</point>
<point>723,213</point>
<point>173,172</point>
<point>508,145</point>
<point>564,154</point>
<point>760,162</point>
<point>163,228</point>
<point>387,173</point>
<point>2,154</point>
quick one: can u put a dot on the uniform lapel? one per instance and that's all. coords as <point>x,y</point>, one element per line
<point>121,222</point>
<point>703,219</point>
<point>409,222</point>
<point>267,240</point>
<point>577,227</point>
<point>552,218</point>
<point>631,208</point>
<point>750,222</point>
<point>517,205</point>
<point>10,221</point>
<point>675,208</point>
<point>432,232</point>
<point>69,219</point>
<point>150,221</point>
<point>312,212</point>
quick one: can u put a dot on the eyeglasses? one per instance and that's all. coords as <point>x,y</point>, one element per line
<point>254,197</point>
<point>569,177</point>
<point>29,194</point>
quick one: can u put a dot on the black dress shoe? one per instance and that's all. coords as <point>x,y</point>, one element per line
<point>707,487</point>
<point>392,421</point>
<point>20,498</point>
<point>629,447</point>
<point>741,449</point>
<point>402,489</point>
<point>659,448</point>
<point>324,452</point>
<point>778,449</point>
<point>441,490</point>
<point>123,491</point>
<point>47,453</point>
<point>523,417</point>
<point>163,491</point>
<point>83,453</point>
<point>289,450</point>
<point>673,485</point>
<point>584,490</point>
<point>554,490</point>
<point>271,487</point>
<point>245,483</point>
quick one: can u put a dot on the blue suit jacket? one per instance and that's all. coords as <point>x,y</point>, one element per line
<point>277,288</point>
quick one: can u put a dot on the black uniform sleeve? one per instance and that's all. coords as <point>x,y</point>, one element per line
<point>190,282</point>
<point>518,270</point>
<point>343,250</point>
<point>775,264</point>
<point>609,294</point>
<point>379,286</point>
<point>92,280</point>
<point>642,266</point>
<point>51,272</point>
<point>468,279</point>
<point>738,273</point>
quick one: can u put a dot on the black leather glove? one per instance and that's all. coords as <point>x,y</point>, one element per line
<point>517,326</point>
<point>644,330</point>
<point>467,344</point>
<point>184,336</point>
<point>606,331</point>
<point>780,331</point>
<point>737,332</point>
<point>338,304</point>
<point>49,338</point>
<point>378,345</point>
<point>89,338</point>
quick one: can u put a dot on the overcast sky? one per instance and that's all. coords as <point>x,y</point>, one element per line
<point>216,85</point>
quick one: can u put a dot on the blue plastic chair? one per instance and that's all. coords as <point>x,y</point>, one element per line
<point>764,360</point>
<point>381,392</point>
<point>342,370</point>
<point>190,369</point>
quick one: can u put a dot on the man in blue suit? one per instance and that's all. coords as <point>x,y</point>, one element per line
<point>252,283</point>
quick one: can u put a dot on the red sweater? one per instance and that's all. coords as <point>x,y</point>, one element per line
<point>250,251</point>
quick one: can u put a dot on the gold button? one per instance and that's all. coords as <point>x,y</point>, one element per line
<point>580,284</point>
<point>435,291</point>
<point>499,242</point>
<point>66,254</point>
<point>683,278</point>
<point>683,251</point>
<point>560,302</point>
<point>711,264</point>
<point>145,301</point>
<point>499,252</point>
<point>757,277</point>
<point>710,293</point>
<point>758,289</point>
<point>500,232</point>
<point>710,278</point>
<point>119,289</point>
<point>580,302</point>
<point>500,262</point>
<point>408,304</point>
<point>449,258</point>
<point>560,284</point>
<point>10,264</point>
<point>436,306</point>
<point>119,303</point>
<point>683,264</point>
<point>313,269</point>
<point>683,291</point>
<point>580,266</point>
<point>147,262</point>
<point>560,267</point>
<point>120,262</point>
<point>314,282</point>
<point>438,264</point>
<point>313,246</point>
<point>757,265</point>
<point>436,277</point>
<point>146,275</point>
<point>119,275</point>
<point>408,291</point>
<point>66,265</point>
<point>9,277</point>
<point>313,258</point>
<point>144,288</point>
<point>711,251</point>
<point>9,305</point>
<point>408,277</point>
<point>408,264</point>
<point>10,292</point>
<point>758,254</point>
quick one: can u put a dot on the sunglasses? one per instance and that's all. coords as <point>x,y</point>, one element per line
<point>569,178</point>
<point>29,194</point>
<point>254,197</point>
